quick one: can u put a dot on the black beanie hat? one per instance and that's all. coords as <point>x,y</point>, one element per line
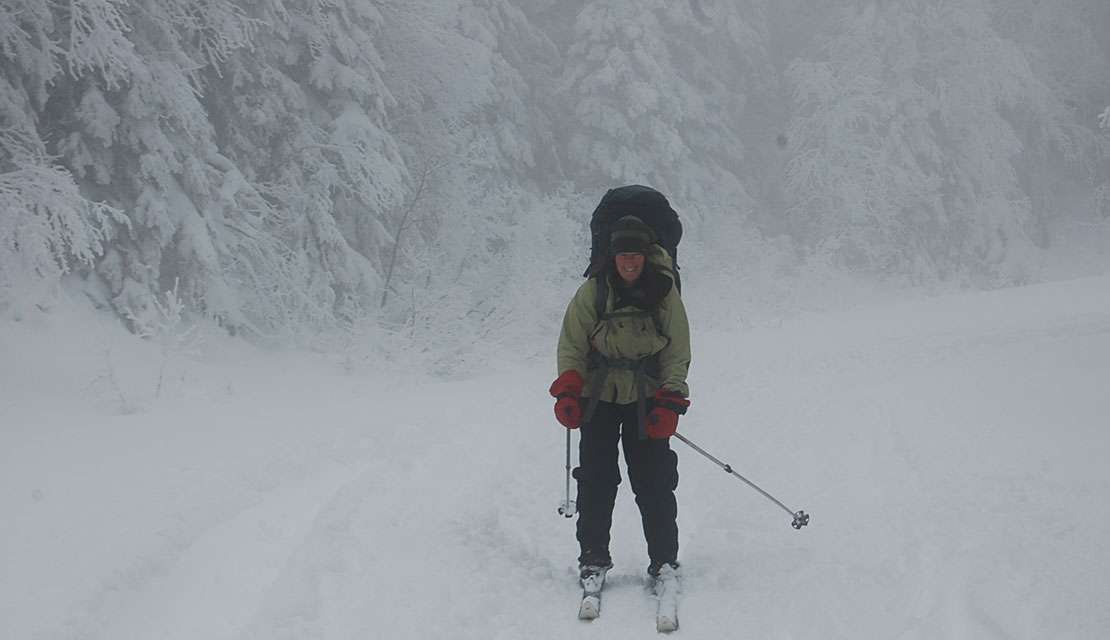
<point>629,235</point>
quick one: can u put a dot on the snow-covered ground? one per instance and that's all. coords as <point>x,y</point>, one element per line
<point>950,452</point>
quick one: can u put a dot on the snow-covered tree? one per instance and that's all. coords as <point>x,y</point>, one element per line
<point>903,151</point>
<point>47,226</point>
<point>1067,48</point>
<point>660,92</point>
<point>249,168</point>
<point>303,165</point>
<point>303,115</point>
<point>468,79</point>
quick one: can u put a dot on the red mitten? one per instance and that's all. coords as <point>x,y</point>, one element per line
<point>566,390</point>
<point>662,422</point>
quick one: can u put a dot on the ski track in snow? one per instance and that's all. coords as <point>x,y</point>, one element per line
<point>948,451</point>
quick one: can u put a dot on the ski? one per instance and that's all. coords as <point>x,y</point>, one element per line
<point>667,587</point>
<point>592,579</point>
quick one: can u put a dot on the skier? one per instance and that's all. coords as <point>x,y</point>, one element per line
<point>623,357</point>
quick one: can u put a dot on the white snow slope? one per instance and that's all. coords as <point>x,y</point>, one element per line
<point>950,452</point>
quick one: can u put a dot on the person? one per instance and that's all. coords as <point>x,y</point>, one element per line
<point>622,378</point>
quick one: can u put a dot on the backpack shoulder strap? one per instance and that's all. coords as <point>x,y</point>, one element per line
<point>602,297</point>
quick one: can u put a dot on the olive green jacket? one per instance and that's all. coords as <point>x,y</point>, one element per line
<point>631,338</point>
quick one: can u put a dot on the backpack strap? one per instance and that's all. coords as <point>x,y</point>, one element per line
<point>642,366</point>
<point>594,359</point>
<point>638,366</point>
<point>602,297</point>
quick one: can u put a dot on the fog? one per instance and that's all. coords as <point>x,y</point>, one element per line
<point>349,174</point>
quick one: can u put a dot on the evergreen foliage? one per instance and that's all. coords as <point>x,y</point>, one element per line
<point>295,166</point>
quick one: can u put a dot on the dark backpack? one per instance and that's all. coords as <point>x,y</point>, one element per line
<point>648,205</point>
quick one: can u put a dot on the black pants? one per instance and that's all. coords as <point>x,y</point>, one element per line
<point>652,471</point>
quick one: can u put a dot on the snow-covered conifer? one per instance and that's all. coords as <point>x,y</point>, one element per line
<point>902,157</point>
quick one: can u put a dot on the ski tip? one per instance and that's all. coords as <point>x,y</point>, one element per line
<point>664,624</point>
<point>589,610</point>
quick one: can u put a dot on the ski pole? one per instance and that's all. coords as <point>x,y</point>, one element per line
<point>801,519</point>
<point>568,507</point>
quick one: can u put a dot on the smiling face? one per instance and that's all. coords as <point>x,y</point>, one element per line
<point>630,265</point>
